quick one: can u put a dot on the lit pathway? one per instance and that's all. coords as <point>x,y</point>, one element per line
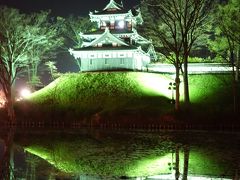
<point>193,68</point>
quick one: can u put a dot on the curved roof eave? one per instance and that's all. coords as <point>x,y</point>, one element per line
<point>110,36</point>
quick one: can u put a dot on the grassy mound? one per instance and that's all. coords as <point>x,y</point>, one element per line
<point>105,91</point>
<point>140,93</point>
<point>210,88</point>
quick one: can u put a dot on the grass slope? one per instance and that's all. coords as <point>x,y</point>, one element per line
<point>135,92</point>
<point>104,91</point>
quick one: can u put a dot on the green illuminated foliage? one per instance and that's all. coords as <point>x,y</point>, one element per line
<point>25,41</point>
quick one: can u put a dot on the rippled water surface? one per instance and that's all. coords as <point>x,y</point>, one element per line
<point>104,154</point>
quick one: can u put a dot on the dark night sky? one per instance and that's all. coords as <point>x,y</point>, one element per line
<point>63,7</point>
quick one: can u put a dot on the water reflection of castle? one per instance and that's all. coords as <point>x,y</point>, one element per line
<point>116,44</point>
<point>98,153</point>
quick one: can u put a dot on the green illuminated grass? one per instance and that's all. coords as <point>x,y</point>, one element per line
<point>105,91</point>
<point>117,92</point>
<point>210,88</point>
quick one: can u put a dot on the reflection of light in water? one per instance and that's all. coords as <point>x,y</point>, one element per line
<point>153,166</point>
<point>142,162</point>
<point>161,167</point>
<point>190,177</point>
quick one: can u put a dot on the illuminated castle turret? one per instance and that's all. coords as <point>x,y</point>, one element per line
<point>116,44</point>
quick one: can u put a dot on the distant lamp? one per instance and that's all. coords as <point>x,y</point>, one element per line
<point>121,24</point>
<point>25,93</point>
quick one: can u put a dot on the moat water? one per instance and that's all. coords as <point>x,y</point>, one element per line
<point>90,154</point>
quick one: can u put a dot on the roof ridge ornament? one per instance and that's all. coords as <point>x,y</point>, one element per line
<point>113,5</point>
<point>121,4</point>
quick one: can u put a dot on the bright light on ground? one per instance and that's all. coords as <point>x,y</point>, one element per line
<point>153,83</point>
<point>25,93</point>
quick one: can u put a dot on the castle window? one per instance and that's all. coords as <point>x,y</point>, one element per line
<point>105,24</point>
<point>106,55</point>
<point>112,26</point>
<point>90,62</point>
<point>121,24</point>
<point>122,61</point>
<point>106,62</point>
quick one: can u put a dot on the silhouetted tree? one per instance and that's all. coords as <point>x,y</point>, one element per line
<point>186,152</point>
<point>72,28</point>
<point>51,66</point>
<point>177,172</point>
<point>7,161</point>
<point>176,25</point>
<point>32,162</point>
<point>226,41</point>
<point>160,26</point>
<point>24,39</point>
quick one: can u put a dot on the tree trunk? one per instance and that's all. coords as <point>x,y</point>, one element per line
<point>234,83</point>
<point>237,78</point>
<point>186,160</point>
<point>31,166</point>
<point>10,108</point>
<point>177,173</point>
<point>237,64</point>
<point>185,81</point>
<point>177,82</point>
<point>6,170</point>
<point>79,64</point>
